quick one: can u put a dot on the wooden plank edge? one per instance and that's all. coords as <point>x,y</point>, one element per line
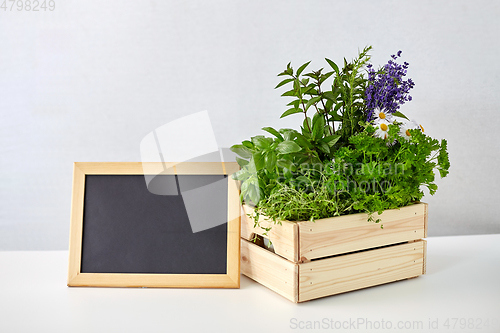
<point>155,168</point>
<point>76,223</point>
<point>307,224</point>
<point>296,243</point>
<point>410,276</point>
<point>117,280</point>
<point>424,266</point>
<point>420,231</point>
<point>426,218</point>
<point>286,249</point>
<point>245,244</point>
<point>233,232</point>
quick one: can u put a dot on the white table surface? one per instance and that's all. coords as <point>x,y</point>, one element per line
<point>462,282</point>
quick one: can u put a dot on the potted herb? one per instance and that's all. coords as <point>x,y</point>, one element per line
<point>355,154</point>
<point>355,151</point>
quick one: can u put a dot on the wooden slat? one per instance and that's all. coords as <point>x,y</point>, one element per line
<point>204,168</point>
<point>348,233</point>
<point>76,226</point>
<point>348,272</point>
<point>153,280</point>
<point>127,168</point>
<point>233,232</point>
<point>270,270</point>
<point>154,168</point>
<point>284,237</point>
<point>426,218</point>
<point>231,167</point>
<point>424,268</point>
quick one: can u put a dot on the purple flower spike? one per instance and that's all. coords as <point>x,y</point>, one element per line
<point>386,88</point>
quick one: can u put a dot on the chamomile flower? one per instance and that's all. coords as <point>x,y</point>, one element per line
<point>380,115</point>
<point>382,128</point>
<point>405,131</point>
<point>412,124</point>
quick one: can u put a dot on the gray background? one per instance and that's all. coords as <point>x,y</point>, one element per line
<point>89,80</point>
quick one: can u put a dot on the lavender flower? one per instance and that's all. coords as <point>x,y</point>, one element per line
<point>386,88</point>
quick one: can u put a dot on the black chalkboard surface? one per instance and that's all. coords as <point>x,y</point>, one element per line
<point>127,229</point>
<point>125,234</point>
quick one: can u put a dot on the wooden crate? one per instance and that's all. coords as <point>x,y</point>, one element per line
<point>336,255</point>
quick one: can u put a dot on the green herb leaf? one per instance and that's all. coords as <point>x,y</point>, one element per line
<point>312,101</point>
<point>325,148</point>
<point>241,150</point>
<point>241,162</point>
<point>301,68</point>
<point>288,133</point>
<point>290,111</point>
<point>318,126</point>
<point>287,147</point>
<point>330,96</point>
<point>331,140</point>
<point>282,83</point>
<point>400,115</point>
<point>273,132</point>
<point>301,139</point>
<point>282,163</point>
<point>290,93</point>
<point>262,142</point>
<point>307,126</point>
<point>270,160</point>
<point>295,103</point>
<point>248,144</point>
<point>258,159</point>
<point>333,65</point>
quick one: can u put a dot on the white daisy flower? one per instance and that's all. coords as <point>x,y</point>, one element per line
<point>382,129</point>
<point>404,132</point>
<point>415,125</point>
<point>412,124</point>
<point>382,115</point>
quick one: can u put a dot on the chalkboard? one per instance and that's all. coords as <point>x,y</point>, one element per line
<point>179,227</point>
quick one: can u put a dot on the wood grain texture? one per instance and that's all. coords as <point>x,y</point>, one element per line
<point>233,232</point>
<point>166,168</point>
<point>426,218</point>
<point>202,168</point>
<point>270,270</point>
<point>76,225</point>
<point>348,233</point>
<point>424,268</point>
<point>349,272</point>
<point>231,167</point>
<point>284,237</point>
<point>76,278</point>
<point>128,168</point>
<point>153,280</point>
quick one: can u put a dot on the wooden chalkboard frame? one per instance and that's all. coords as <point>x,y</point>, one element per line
<point>229,280</point>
